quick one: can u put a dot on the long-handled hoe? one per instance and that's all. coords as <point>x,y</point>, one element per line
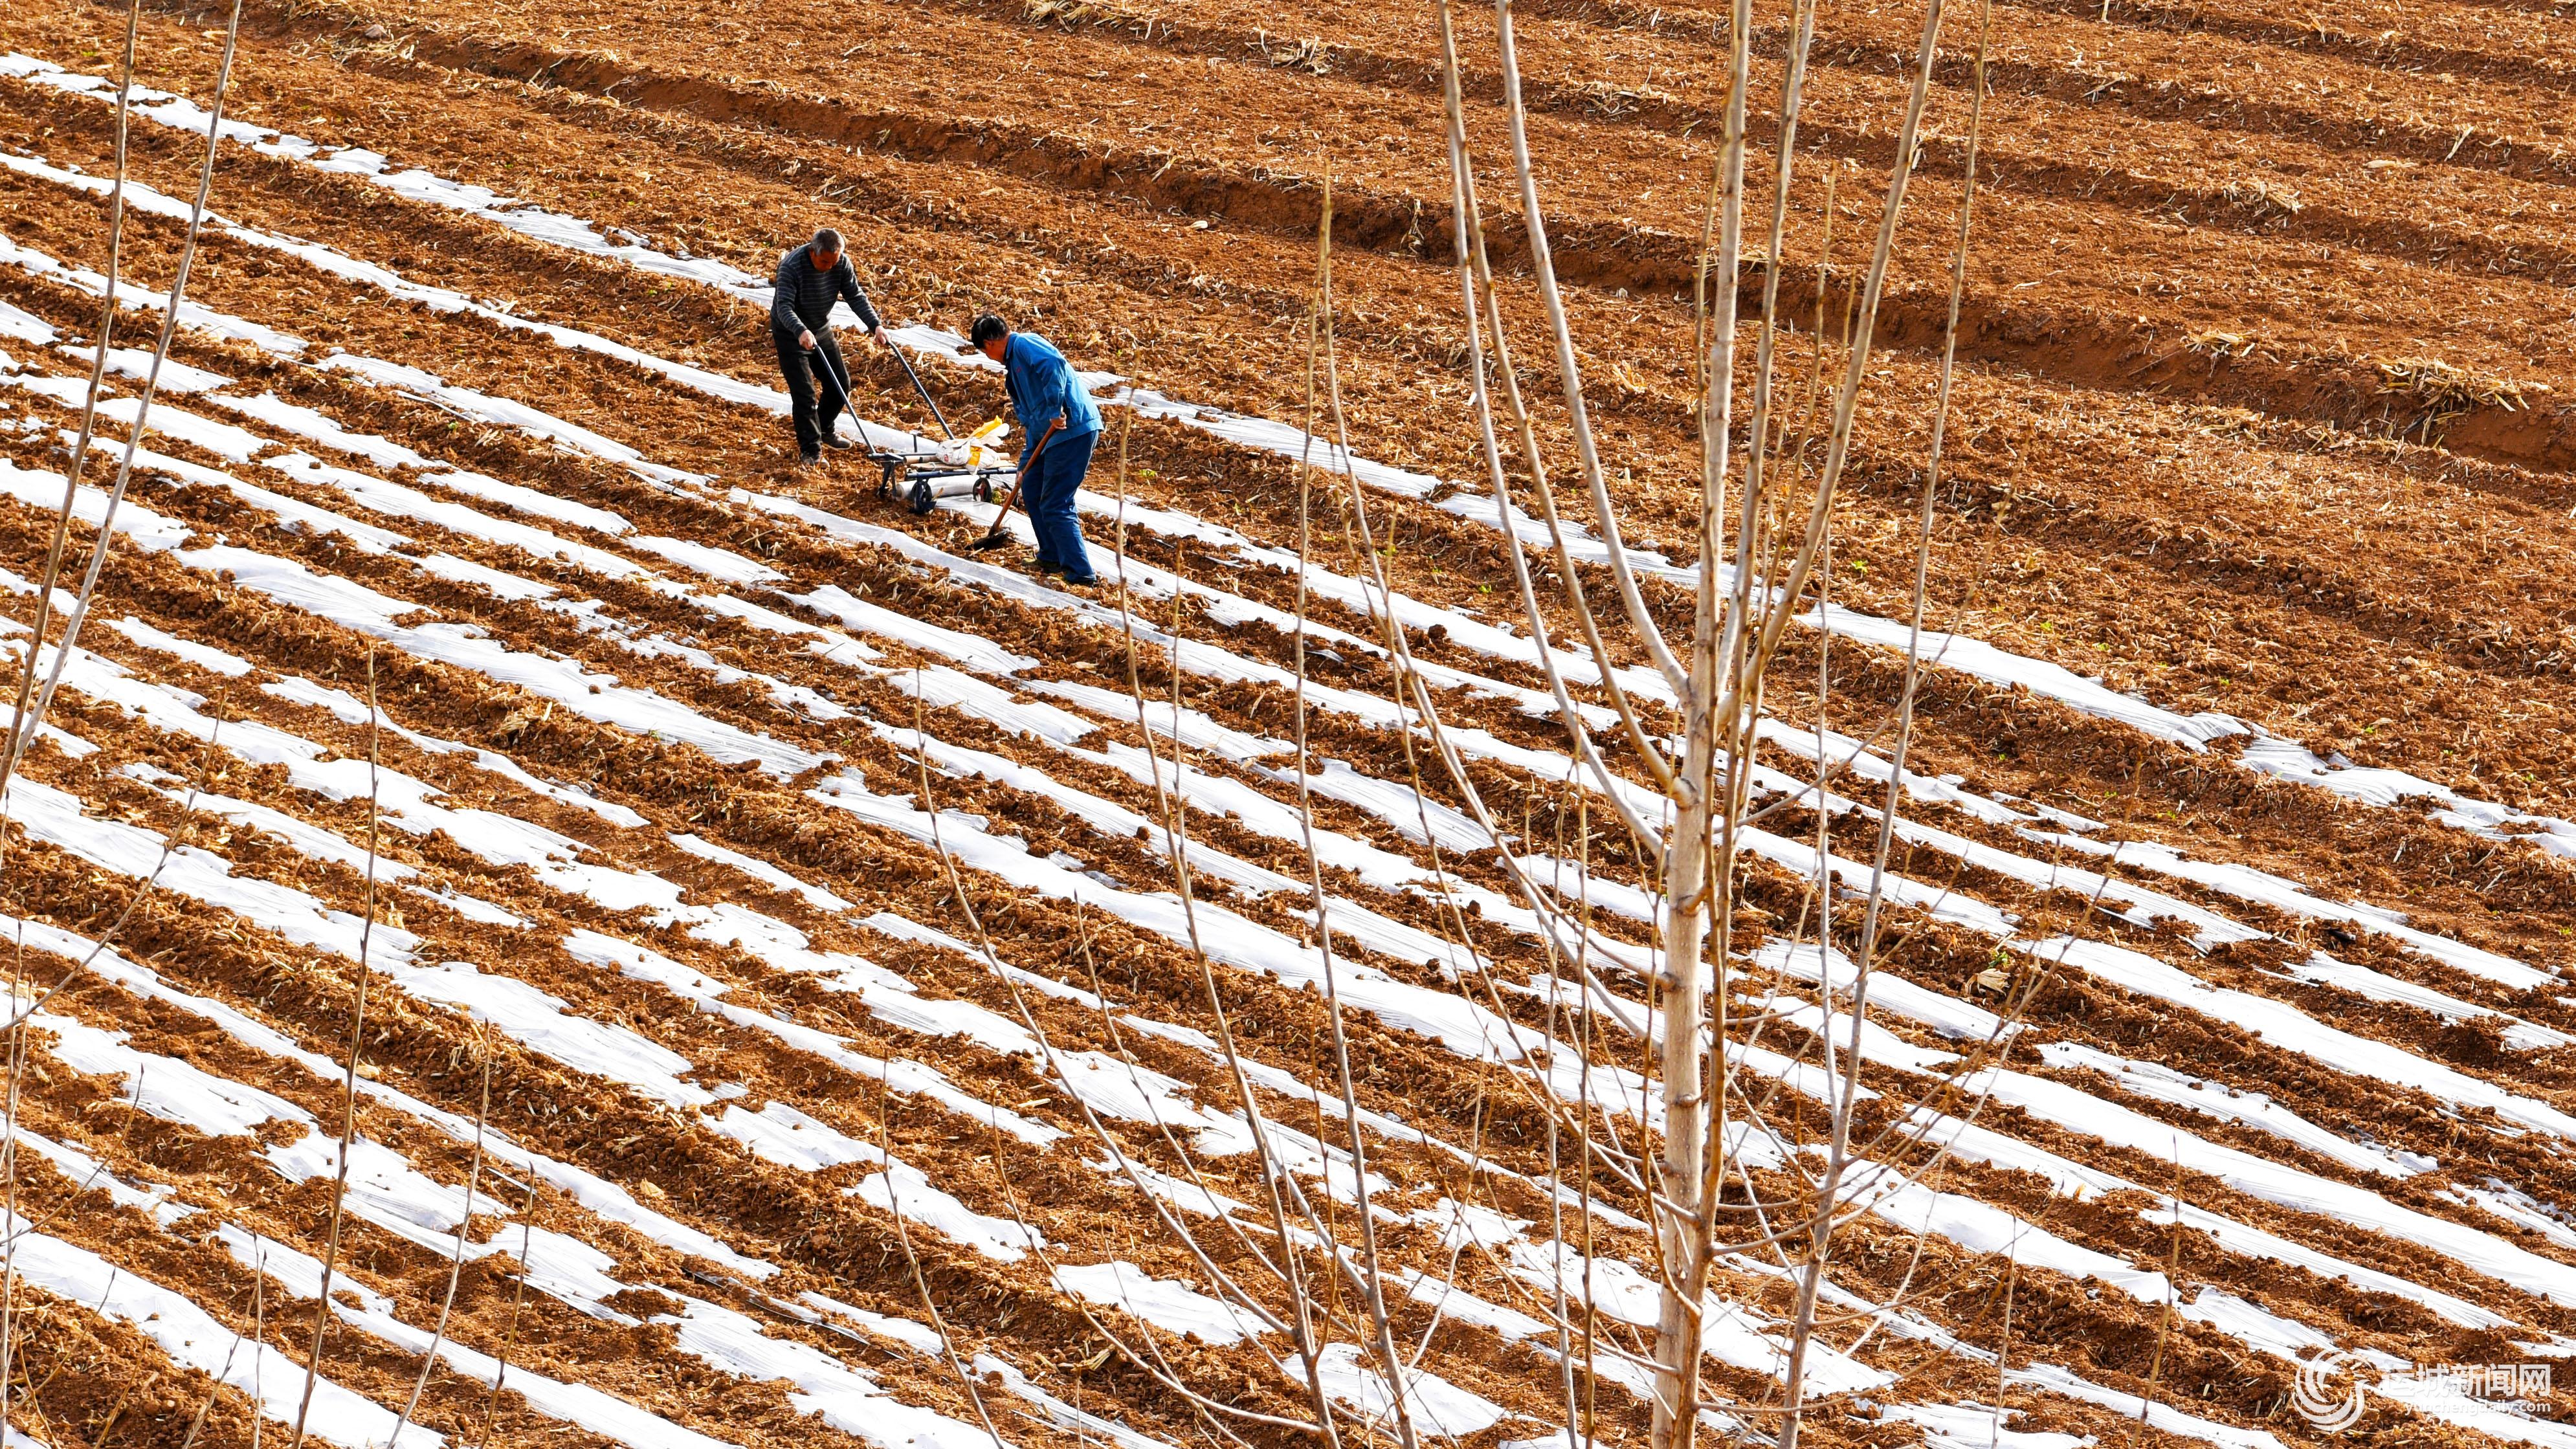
<point>995,538</point>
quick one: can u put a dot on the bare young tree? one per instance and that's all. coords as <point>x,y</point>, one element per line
<point>1764,529</point>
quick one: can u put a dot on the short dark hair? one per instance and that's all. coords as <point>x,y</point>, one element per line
<point>987,328</point>
<point>826,239</point>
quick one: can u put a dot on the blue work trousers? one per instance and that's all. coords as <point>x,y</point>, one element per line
<point>1050,487</point>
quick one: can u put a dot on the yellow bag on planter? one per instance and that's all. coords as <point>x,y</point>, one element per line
<point>972,451</point>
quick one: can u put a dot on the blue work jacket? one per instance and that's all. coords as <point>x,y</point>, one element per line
<point>1043,388</point>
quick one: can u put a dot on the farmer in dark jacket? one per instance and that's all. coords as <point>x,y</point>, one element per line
<point>810,279</point>
<point>1061,423</point>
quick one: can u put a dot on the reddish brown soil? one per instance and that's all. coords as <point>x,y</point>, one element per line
<point>2179,462</point>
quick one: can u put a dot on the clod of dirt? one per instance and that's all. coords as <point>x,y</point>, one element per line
<point>643,1302</point>
<point>2471,1043</point>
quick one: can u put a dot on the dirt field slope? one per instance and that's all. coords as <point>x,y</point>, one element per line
<point>780,1019</point>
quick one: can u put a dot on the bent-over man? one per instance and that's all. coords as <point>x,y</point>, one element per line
<point>1062,424</point>
<point>810,279</point>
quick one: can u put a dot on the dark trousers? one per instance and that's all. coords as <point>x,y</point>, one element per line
<point>1050,487</point>
<point>814,417</point>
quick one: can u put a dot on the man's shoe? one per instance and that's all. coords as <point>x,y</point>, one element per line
<point>835,440</point>
<point>809,460</point>
<point>1086,581</point>
<point>1048,566</point>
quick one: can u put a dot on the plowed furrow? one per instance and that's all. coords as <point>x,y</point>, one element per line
<point>2321,1230</point>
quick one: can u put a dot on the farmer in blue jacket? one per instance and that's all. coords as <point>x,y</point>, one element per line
<point>1061,423</point>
